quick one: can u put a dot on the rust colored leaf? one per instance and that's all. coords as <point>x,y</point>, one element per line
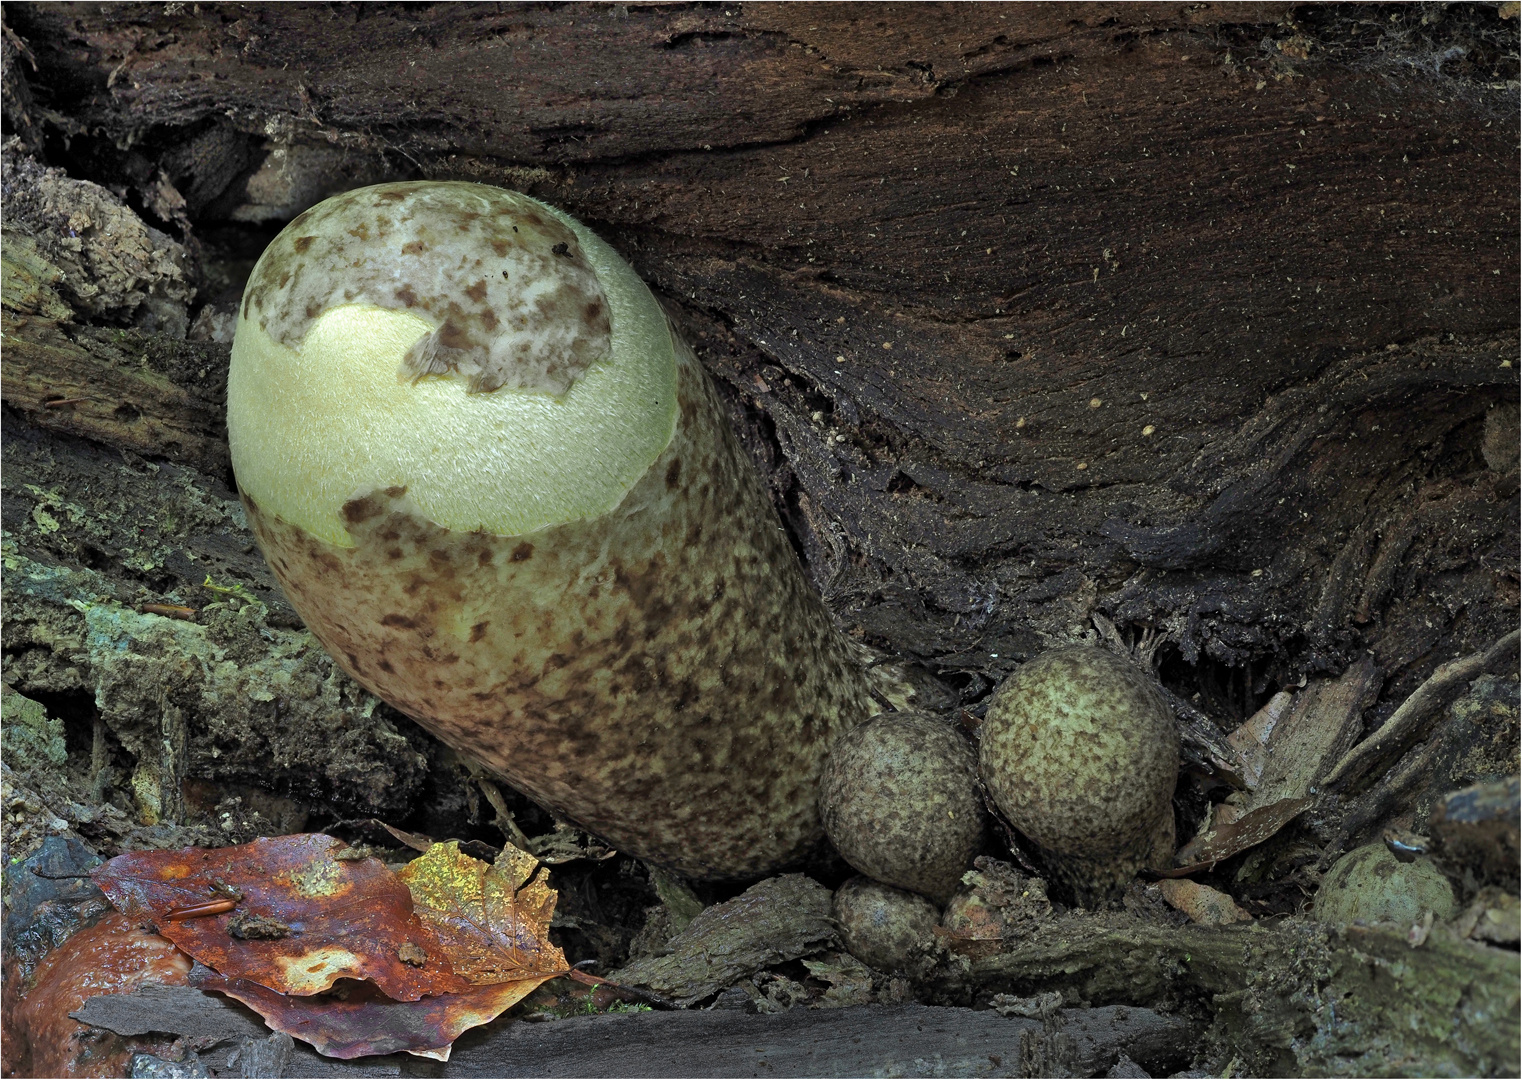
<point>1249,830</point>
<point>112,956</point>
<point>492,919</point>
<point>340,918</point>
<point>357,1019</point>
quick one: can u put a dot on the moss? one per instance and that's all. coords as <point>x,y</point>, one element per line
<point>226,698</point>
<point>32,739</point>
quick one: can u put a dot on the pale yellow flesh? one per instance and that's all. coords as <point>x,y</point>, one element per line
<point>312,428</point>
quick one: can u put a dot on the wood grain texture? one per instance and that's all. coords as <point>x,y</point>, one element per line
<point>1172,312</point>
<point>893,1040</point>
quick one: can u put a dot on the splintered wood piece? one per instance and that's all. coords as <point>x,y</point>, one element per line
<point>1230,838</point>
<point>1251,739</point>
<point>1318,729</point>
<point>1444,684</point>
<point>1204,905</point>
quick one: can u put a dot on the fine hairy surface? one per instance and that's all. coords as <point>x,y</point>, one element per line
<point>901,804</point>
<point>665,676</point>
<point>1080,753</point>
<point>513,301</point>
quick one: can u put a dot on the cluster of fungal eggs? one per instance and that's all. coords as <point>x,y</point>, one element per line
<point>502,493</point>
<point>1078,751</point>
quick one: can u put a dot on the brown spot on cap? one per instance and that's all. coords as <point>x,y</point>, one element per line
<point>523,551</point>
<point>356,511</point>
<point>674,473</point>
<point>516,302</point>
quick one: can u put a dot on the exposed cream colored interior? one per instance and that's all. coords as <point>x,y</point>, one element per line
<point>314,427</point>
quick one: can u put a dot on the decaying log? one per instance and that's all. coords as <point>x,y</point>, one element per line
<point>1170,312</point>
<point>893,1040</point>
<point>1293,998</point>
<point>1445,684</point>
<point>1289,999</point>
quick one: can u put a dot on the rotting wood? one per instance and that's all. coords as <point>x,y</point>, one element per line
<point>1185,217</point>
<point>93,384</point>
<point>1212,222</point>
<point>1445,684</point>
<point>1320,727</point>
<point>858,1041</point>
<point>1293,998</point>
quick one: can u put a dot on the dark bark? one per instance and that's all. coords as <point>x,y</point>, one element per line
<point>1277,239</point>
<point>863,1041</point>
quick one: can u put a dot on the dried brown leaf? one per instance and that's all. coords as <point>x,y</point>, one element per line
<point>1249,830</point>
<point>492,920</point>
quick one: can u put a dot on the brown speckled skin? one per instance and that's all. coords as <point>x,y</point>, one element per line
<point>881,926</point>
<point>664,675</point>
<point>1080,753</point>
<point>900,802</point>
<point>512,298</point>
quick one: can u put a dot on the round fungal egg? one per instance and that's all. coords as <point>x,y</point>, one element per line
<point>1080,753</point>
<point>1369,884</point>
<point>884,927</point>
<point>901,803</point>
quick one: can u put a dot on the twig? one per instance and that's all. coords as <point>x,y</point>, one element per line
<point>1439,690</point>
<point>505,822</point>
<point>588,979</point>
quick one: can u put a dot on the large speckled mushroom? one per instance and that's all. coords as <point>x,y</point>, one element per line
<point>501,491</point>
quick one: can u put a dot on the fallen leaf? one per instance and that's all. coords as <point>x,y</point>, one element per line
<point>343,918</point>
<point>114,955</point>
<point>491,919</point>
<point>359,1019</point>
<point>1249,830</point>
<point>490,923</point>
